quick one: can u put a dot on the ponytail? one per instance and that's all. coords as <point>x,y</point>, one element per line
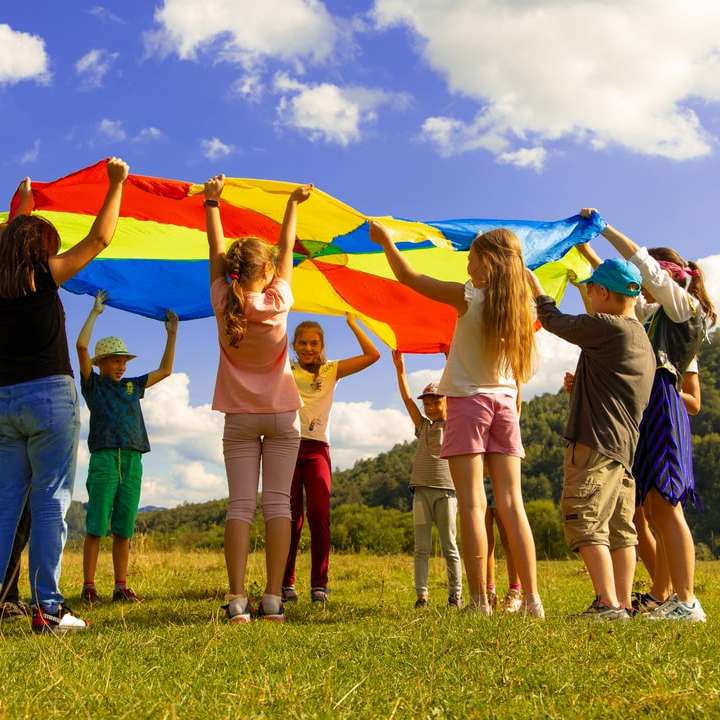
<point>698,290</point>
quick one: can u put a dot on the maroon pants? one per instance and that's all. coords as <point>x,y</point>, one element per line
<point>313,473</point>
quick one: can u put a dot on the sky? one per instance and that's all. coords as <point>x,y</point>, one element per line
<point>430,110</point>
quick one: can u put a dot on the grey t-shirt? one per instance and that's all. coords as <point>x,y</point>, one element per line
<point>429,469</point>
<point>613,378</point>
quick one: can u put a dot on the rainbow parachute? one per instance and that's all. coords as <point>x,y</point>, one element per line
<point>158,258</point>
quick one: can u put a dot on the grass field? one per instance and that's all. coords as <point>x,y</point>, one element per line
<point>368,655</point>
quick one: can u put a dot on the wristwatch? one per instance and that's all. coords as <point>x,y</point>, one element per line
<point>212,203</point>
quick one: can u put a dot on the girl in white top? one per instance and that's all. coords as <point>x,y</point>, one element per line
<point>316,379</point>
<point>491,351</point>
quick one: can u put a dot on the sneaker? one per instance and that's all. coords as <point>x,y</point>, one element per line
<point>599,611</point>
<point>479,608</point>
<point>512,602</point>
<point>319,595</point>
<point>289,595</point>
<point>492,599</point>
<point>278,616</point>
<point>125,594</point>
<point>14,610</point>
<point>533,610</point>
<point>421,603</point>
<point>89,595</point>
<point>455,601</point>
<point>675,609</point>
<point>238,611</point>
<point>645,602</point>
<point>60,622</point>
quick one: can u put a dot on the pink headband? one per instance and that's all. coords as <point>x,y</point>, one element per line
<point>677,271</point>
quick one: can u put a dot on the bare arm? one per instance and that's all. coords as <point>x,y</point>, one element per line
<point>588,252</point>
<point>71,262</point>
<point>450,293</point>
<point>168,358</point>
<point>288,232</point>
<point>83,340</point>
<point>370,353</point>
<point>410,406</point>
<point>213,224</point>
<point>690,393</point>
<point>26,204</point>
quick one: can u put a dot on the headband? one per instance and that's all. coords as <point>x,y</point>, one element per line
<point>678,271</point>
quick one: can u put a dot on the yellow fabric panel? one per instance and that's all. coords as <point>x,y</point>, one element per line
<point>409,231</point>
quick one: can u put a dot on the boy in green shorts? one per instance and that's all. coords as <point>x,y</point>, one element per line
<point>116,441</point>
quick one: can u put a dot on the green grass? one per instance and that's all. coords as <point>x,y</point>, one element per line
<point>369,655</point>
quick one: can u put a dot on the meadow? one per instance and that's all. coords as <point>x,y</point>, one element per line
<point>369,654</point>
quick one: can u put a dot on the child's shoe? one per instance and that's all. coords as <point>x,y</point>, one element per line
<point>492,599</point>
<point>319,595</point>
<point>455,601</point>
<point>289,595</point>
<point>59,622</point>
<point>237,610</point>
<point>512,602</point>
<point>89,595</point>
<point>675,609</point>
<point>601,612</point>
<point>533,609</point>
<point>479,607</point>
<point>272,614</point>
<point>645,602</point>
<point>14,610</point>
<point>125,594</point>
<point>421,603</point>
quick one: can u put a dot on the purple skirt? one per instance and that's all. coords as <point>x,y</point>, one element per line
<point>663,459</point>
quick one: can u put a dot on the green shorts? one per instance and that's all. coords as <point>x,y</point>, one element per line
<point>113,485</point>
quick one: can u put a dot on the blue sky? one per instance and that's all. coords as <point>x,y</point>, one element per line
<point>428,110</point>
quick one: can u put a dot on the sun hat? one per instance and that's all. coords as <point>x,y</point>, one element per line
<point>617,275</point>
<point>108,346</point>
<point>430,389</point>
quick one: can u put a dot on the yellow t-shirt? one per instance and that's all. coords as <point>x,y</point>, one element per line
<point>317,396</point>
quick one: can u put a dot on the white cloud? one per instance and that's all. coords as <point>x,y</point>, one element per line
<point>148,134</point>
<point>243,31</point>
<point>533,158</point>
<point>329,112</point>
<point>249,86</point>
<point>32,153</point>
<point>102,13</point>
<point>555,357</point>
<point>190,482</point>
<point>616,72</point>
<point>215,148</point>
<point>22,57</point>
<point>92,67</point>
<point>113,129</point>
<point>711,274</point>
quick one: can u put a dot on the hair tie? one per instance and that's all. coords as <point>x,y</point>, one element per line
<point>682,273</point>
<point>234,276</point>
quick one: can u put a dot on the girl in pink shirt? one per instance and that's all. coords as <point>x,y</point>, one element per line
<point>251,297</point>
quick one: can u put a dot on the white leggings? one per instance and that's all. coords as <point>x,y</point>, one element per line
<point>248,437</point>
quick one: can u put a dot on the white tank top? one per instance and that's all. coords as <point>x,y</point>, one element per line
<point>467,371</point>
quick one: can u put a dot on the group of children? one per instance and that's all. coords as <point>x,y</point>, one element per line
<point>627,463</point>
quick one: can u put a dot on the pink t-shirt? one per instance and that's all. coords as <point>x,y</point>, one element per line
<point>255,377</point>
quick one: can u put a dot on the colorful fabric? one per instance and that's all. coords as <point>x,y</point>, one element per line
<point>116,419</point>
<point>158,259</point>
<point>113,486</point>
<point>663,459</point>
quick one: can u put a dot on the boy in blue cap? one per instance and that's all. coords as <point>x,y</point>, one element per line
<point>612,386</point>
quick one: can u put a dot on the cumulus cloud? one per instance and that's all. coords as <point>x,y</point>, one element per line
<point>148,134</point>
<point>619,72</point>
<point>249,86</point>
<point>214,148</point>
<point>533,158</point>
<point>92,67</point>
<point>112,129</point>
<point>191,482</point>
<point>32,153</point>
<point>329,112</point>
<point>22,57</point>
<point>243,31</point>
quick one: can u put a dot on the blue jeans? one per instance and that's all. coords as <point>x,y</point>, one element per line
<point>39,429</point>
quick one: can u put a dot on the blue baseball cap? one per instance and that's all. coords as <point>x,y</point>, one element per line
<point>617,275</point>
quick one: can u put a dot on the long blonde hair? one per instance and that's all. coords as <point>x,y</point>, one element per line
<point>507,319</point>
<point>245,260</point>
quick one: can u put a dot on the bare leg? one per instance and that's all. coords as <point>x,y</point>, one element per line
<point>467,475</point>
<point>662,584</point>
<point>277,546</point>
<point>505,475</point>
<point>623,563</point>
<point>513,577</point>
<point>121,557</point>
<point>237,547</point>
<point>598,561</point>
<point>646,548</point>
<point>91,550</point>
<point>490,532</point>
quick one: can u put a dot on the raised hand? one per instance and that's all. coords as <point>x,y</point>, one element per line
<point>398,360</point>
<point>117,170</point>
<point>100,299</point>
<point>378,234</point>
<point>171,322</point>
<point>301,193</point>
<point>587,212</point>
<point>214,187</point>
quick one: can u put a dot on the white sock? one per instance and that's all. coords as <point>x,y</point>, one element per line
<point>271,603</point>
<point>236,600</point>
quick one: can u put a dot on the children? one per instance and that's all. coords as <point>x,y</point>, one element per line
<point>316,378</point>
<point>116,441</point>
<point>677,312</point>
<point>491,353</point>
<point>610,391</point>
<point>434,499</point>
<point>255,389</point>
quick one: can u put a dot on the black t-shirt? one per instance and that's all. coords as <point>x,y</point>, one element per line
<point>33,343</point>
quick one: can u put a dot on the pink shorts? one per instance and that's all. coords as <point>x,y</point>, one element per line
<point>485,423</point>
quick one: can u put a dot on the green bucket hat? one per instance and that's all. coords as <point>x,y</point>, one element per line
<point>110,346</point>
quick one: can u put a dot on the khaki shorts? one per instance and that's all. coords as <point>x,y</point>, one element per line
<point>598,500</point>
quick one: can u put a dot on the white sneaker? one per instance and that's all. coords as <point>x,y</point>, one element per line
<point>61,621</point>
<point>482,608</point>
<point>533,610</point>
<point>675,609</point>
<point>237,610</point>
<point>512,603</point>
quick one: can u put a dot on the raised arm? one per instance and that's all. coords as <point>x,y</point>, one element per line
<point>288,232</point>
<point>168,358</point>
<point>26,202</point>
<point>71,262</point>
<point>83,340</point>
<point>450,293</point>
<point>411,407</point>
<point>370,353</point>
<point>213,224</point>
